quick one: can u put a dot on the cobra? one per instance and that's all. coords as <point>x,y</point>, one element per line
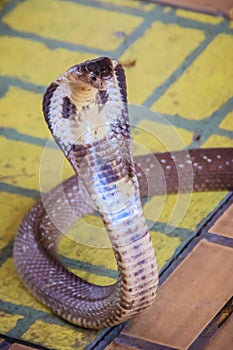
<point>87,114</point>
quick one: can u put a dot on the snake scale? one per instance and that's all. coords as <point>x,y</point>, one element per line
<point>87,114</point>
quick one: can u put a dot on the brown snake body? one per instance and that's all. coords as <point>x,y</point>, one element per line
<point>86,111</point>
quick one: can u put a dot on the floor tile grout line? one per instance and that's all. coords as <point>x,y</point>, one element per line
<point>167,18</point>
<point>215,120</point>
<point>13,340</point>
<point>143,344</point>
<point>177,73</point>
<point>199,236</point>
<point>221,208</point>
<point>9,7</point>
<point>16,309</point>
<point>190,125</point>
<point>155,226</point>
<point>30,318</point>
<point>22,326</point>
<point>105,337</point>
<point>112,7</point>
<point>180,70</point>
<point>131,38</point>
<point>218,238</point>
<point>35,194</point>
<point>55,44</point>
<point>97,270</point>
<point>12,81</point>
<point>6,253</point>
<point>196,234</point>
<point>5,345</point>
<point>30,312</point>
<point>183,251</point>
<point>160,226</point>
<point>139,31</point>
<point>13,134</point>
<point>213,326</point>
<point>51,43</point>
<point>22,191</point>
<point>223,131</point>
<point>208,332</point>
<point>228,31</point>
<point>119,49</point>
<point>157,15</point>
<point>184,22</point>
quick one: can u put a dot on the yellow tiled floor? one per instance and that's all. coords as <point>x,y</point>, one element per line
<point>183,69</point>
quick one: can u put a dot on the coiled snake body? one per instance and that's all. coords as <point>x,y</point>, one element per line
<point>86,111</point>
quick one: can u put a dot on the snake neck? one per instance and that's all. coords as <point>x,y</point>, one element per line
<point>107,174</point>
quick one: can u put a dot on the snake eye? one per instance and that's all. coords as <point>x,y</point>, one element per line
<point>93,76</point>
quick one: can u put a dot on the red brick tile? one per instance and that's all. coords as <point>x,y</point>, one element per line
<point>223,339</point>
<point>1,340</point>
<point>224,225</point>
<point>192,295</point>
<point>214,7</point>
<point>114,346</point>
<point>16,346</point>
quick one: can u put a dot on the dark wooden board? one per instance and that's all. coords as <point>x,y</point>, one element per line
<point>220,8</point>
